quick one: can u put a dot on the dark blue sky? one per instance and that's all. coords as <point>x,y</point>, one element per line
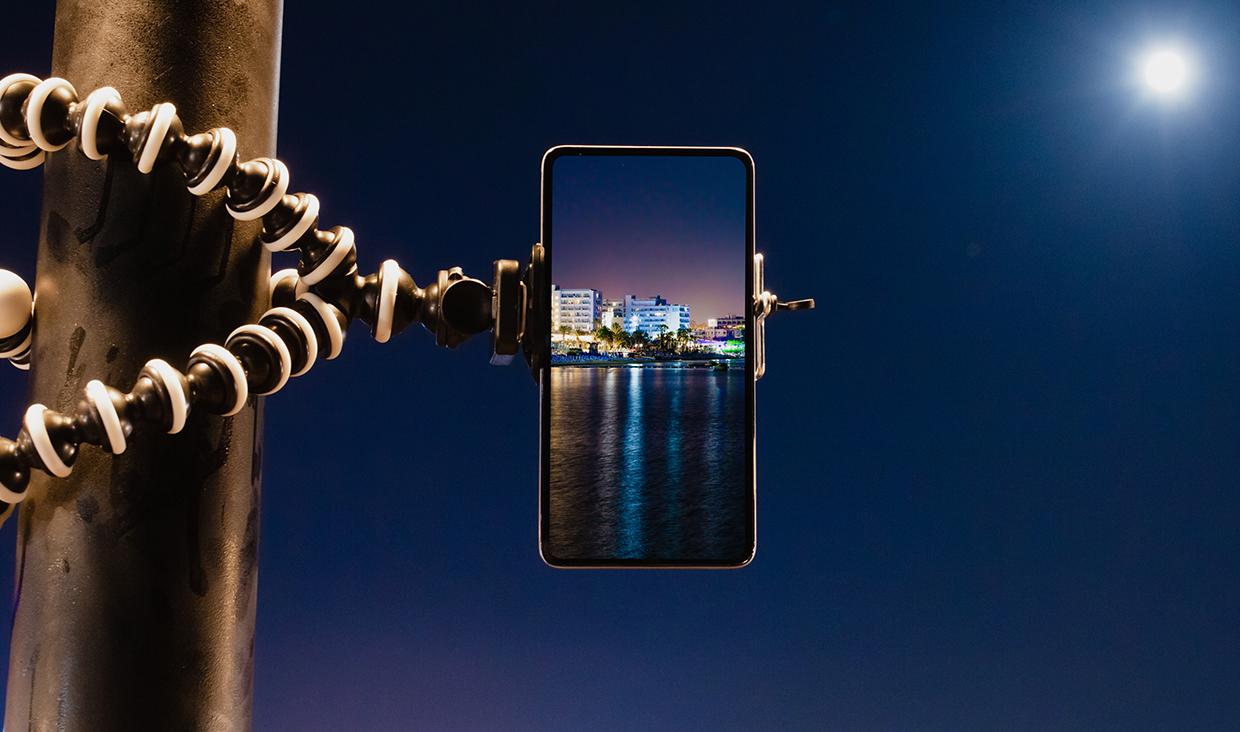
<point>997,468</point>
<point>639,225</point>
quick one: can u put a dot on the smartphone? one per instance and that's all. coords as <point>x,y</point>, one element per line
<point>647,415</point>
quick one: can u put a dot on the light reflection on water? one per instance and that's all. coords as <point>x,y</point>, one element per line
<point>632,475</point>
<point>648,463</point>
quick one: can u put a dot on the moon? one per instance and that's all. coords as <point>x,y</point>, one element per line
<point>1166,71</point>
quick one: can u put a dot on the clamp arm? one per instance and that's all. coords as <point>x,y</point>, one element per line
<point>766,303</point>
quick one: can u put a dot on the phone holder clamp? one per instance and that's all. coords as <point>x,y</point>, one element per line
<point>765,304</point>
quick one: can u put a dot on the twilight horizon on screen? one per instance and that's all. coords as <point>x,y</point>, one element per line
<point>648,456</point>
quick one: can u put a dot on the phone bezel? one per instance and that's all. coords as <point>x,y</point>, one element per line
<point>544,476</point>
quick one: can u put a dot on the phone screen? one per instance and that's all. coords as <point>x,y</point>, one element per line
<point>648,398</point>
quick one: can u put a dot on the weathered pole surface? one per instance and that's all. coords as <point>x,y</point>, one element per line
<point>137,576</point>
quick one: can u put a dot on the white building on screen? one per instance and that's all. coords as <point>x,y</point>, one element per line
<point>580,310</point>
<point>613,312</point>
<point>654,315</point>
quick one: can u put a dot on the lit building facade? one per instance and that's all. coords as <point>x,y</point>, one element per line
<point>731,322</point>
<point>654,315</point>
<point>613,312</point>
<point>725,328</point>
<point>580,310</point>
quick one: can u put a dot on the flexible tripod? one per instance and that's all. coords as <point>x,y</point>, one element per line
<point>312,305</point>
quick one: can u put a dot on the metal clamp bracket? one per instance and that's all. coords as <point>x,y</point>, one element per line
<point>766,303</point>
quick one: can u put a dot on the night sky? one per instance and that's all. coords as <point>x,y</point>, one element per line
<point>637,225</point>
<point>997,468</point>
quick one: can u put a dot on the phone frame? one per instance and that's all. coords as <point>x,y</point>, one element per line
<point>544,449</point>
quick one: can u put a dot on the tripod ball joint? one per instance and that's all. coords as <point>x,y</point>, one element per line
<point>453,306</point>
<point>16,319</point>
<point>17,150</point>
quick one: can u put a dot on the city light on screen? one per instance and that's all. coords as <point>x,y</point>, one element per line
<point>650,437</point>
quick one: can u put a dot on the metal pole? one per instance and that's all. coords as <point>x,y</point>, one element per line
<point>136,577</point>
